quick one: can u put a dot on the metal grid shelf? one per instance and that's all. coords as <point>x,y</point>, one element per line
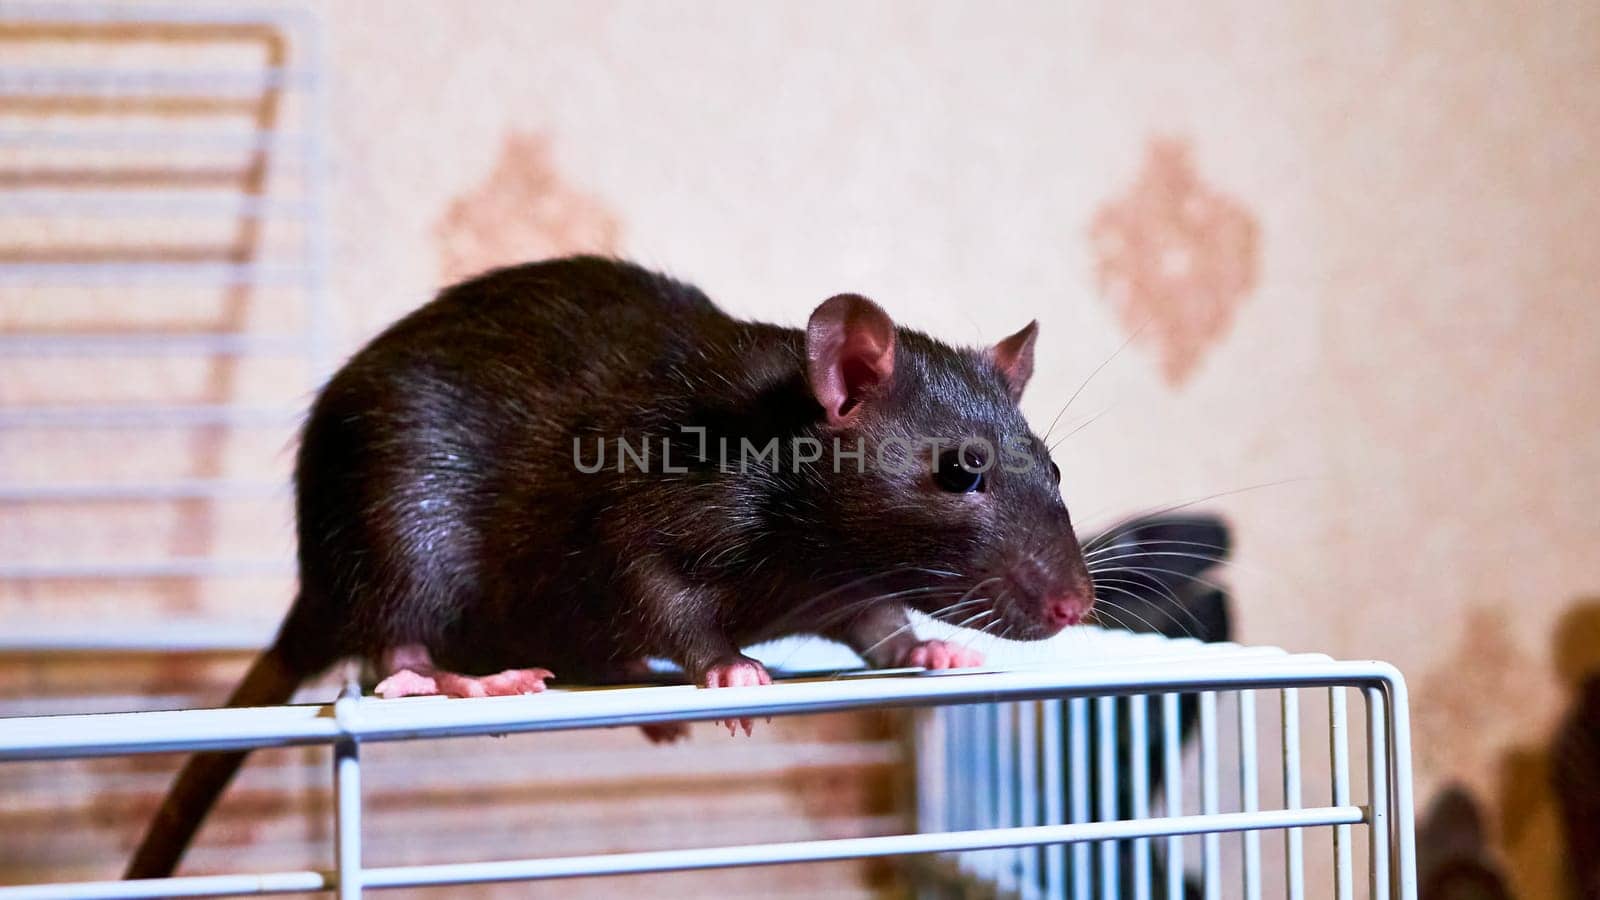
<point>177,567</point>
<point>150,344</point>
<point>185,489</point>
<point>114,273</point>
<point>52,79</point>
<point>112,204</point>
<point>1146,667</point>
<point>173,416</point>
<point>233,172</point>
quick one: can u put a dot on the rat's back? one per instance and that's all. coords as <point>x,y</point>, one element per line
<point>428,478</point>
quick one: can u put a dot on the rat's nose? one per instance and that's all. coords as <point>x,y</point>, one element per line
<point>1066,609</point>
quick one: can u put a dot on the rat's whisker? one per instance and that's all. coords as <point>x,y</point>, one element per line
<point>938,616</point>
<point>1124,609</point>
<point>1178,554</point>
<point>1081,426</point>
<point>1168,593</point>
<point>1137,580</point>
<point>1105,612</point>
<point>944,614</point>
<point>858,582</point>
<point>1203,582</point>
<point>816,621</point>
<point>864,653</point>
<point>908,626</point>
<point>1214,561</point>
<point>1114,354</point>
<point>1135,546</point>
<point>874,576</point>
<point>979,586</point>
<point>968,622</point>
<point>1143,517</point>
<point>1143,541</point>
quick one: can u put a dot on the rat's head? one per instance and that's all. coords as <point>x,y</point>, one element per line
<point>952,491</point>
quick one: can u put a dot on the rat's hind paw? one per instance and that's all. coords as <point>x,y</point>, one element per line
<point>940,655</point>
<point>738,671</point>
<point>406,683</point>
<point>510,683</point>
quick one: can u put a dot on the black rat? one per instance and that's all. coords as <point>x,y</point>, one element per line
<point>581,464</point>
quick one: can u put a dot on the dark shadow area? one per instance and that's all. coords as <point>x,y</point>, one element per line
<point>1550,787</point>
<point>1574,766</point>
<point>1454,861</point>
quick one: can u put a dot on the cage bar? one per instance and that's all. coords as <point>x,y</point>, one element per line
<point>1139,782</point>
<point>353,721</point>
<point>1078,766</point>
<point>1294,840</point>
<point>1210,799</point>
<point>1028,792</point>
<point>1249,792</point>
<point>244,177</point>
<point>1344,886</point>
<point>1172,768</point>
<point>1377,796</point>
<point>1055,880</point>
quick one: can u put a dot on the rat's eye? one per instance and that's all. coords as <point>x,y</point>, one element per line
<point>1055,472</point>
<point>958,473</point>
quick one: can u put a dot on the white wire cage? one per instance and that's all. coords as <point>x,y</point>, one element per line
<point>150,153</point>
<point>1025,783</point>
<point>1029,780</point>
<point>1240,765</point>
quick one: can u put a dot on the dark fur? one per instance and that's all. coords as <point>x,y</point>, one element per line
<point>439,503</point>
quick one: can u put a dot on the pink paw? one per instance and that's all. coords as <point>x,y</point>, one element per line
<point>740,671</point>
<point>940,655</point>
<point>513,682</point>
<point>510,683</point>
<point>406,683</point>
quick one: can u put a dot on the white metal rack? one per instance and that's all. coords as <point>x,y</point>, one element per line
<point>984,796</point>
<point>1120,755</point>
<point>82,154</point>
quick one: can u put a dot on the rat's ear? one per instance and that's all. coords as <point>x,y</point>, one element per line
<point>1014,358</point>
<point>849,352</point>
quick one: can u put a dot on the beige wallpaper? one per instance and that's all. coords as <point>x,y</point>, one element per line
<point>1358,240</point>
<point>1354,244</point>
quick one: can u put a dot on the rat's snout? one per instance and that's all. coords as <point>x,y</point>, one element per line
<point>1049,594</point>
<point>1067,609</point>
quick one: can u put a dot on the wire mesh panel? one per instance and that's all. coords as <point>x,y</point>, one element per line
<point>1250,754</point>
<point>162,308</point>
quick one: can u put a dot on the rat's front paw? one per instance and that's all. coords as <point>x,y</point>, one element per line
<point>738,671</point>
<point>939,655</point>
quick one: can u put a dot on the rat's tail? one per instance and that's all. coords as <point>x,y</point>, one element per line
<point>270,681</point>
